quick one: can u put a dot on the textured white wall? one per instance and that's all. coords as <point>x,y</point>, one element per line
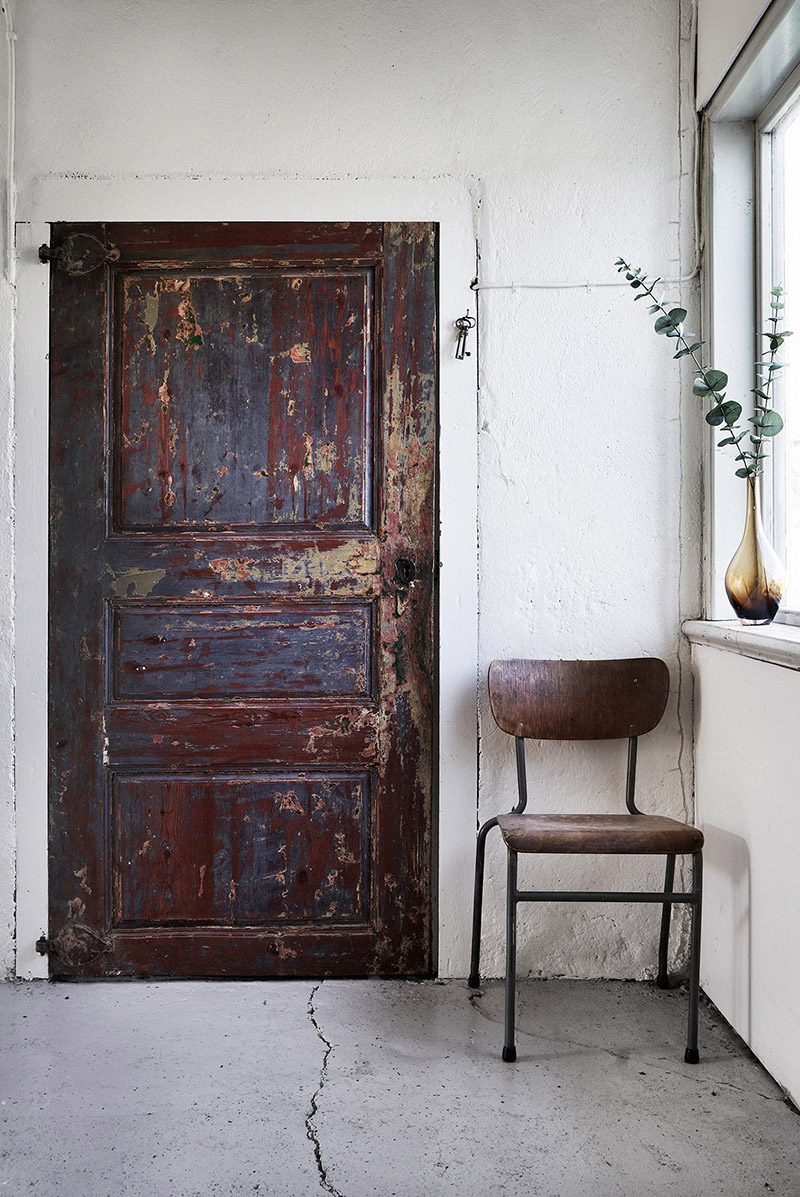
<point>7,880</point>
<point>563,122</point>
<point>747,804</point>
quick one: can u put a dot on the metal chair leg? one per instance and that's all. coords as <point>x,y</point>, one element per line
<point>509,1050</point>
<point>662,980</point>
<point>477,906</point>
<point>692,1055</point>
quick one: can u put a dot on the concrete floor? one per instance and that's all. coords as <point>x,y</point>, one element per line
<point>364,1088</point>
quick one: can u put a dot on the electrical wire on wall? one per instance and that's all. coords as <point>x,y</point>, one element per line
<point>11,115</point>
<point>478,285</point>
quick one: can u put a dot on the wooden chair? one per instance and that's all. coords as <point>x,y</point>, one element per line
<point>586,700</point>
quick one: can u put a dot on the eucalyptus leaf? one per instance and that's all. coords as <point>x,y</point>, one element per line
<point>771,423</point>
<point>742,473</point>
<point>716,380</point>
<point>731,411</point>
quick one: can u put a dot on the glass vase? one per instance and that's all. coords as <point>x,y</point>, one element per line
<point>754,579</point>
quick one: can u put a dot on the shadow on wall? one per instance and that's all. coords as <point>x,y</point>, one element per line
<point>454,814</point>
<point>727,903</point>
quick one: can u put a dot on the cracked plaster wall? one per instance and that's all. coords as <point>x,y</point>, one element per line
<point>564,121</point>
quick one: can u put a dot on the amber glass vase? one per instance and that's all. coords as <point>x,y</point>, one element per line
<point>754,579</point>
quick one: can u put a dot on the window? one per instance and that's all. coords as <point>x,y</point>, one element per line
<point>779,129</point>
<point>751,231</point>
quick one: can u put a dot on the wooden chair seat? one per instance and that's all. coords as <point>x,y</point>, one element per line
<point>640,834</point>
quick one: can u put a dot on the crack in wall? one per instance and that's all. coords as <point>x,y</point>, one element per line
<point>476,212</point>
<point>686,133</point>
<point>312,1132</point>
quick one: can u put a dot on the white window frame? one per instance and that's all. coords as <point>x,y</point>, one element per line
<point>758,88</point>
<point>769,271</point>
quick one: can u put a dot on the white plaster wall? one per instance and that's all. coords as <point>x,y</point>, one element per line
<point>7,881</point>
<point>561,122</point>
<point>723,27</point>
<point>748,764</point>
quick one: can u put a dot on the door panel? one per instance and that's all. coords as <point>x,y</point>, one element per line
<point>291,650</point>
<point>243,438</point>
<point>240,849</point>
<point>244,400</point>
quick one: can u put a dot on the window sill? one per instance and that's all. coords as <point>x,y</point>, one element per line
<point>777,644</point>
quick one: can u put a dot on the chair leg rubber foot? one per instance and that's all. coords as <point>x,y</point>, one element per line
<point>474,981</point>
<point>509,1054</point>
<point>691,1056</point>
<point>662,981</point>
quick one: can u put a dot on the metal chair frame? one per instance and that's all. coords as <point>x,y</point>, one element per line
<point>668,898</point>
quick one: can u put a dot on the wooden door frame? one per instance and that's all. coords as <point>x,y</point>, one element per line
<point>451,206</point>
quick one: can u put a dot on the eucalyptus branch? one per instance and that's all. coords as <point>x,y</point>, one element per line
<point>767,422</point>
<point>710,383</point>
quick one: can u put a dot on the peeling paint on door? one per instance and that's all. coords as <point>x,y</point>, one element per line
<point>241,709</point>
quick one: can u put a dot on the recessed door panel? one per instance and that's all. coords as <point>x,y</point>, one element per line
<point>244,400</point>
<point>291,650</point>
<point>228,850</point>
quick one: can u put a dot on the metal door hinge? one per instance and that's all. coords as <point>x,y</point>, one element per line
<point>75,944</point>
<point>79,253</point>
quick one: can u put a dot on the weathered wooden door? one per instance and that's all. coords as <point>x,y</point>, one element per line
<point>243,437</point>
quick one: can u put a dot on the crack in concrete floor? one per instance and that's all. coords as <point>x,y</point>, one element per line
<point>311,1124</point>
<point>398,1088</point>
<point>718,1149</point>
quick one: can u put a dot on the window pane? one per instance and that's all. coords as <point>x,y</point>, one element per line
<point>790,351</point>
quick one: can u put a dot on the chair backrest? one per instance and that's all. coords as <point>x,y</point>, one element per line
<point>578,700</point>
